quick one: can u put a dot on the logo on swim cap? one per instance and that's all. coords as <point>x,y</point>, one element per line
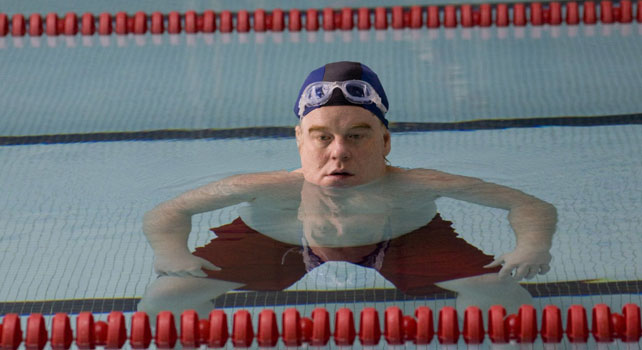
<point>342,84</point>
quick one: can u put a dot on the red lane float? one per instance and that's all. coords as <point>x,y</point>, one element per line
<point>100,333</point>
<point>190,337</point>
<point>626,11</point>
<point>485,15</point>
<point>203,331</point>
<point>18,25</point>
<point>226,22</point>
<point>606,11</point>
<point>307,327</point>
<point>87,24</point>
<point>85,331</point>
<point>344,332</point>
<point>473,332</point>
<point>157,23</point>
<point>363,19</point>
<point>51,24</point>
<point>174,23</point>
<point>497,331</point>
<point>589,12</point>
<point>393,327</point>
<point>218,332</point>
<point>320,327</point>
<point>606,327</point>
<point>576,324</point>
<point>190,22</point>
<point>140,23</point>
<point>242,331</point>
<point>116,330</point>
<point>432,21</point>
<point>328,19</point>
<point>347,21</point>
<point>425,326</point>
<point>537,16</point>
<point>312,20</point>
<point>369,331</point>
<point>267,334</point>
<point>242,21</point>
<point>294,20</point>
<point>70,24</point>
<point>448,326</point>
<point>631,331</point>
<point>61,333</point>
<point>4,24</point>
<point>141,333</point>
<point>259,21</point>
<point>526,327</point>
<point>501,15</point>
<point>416,17</point>
<point>10,333</point>
<point>450,16</point>
<point>519,15</point>
<point>209,21</point>
<point>555,9</point>
<point>121,23</point>
<point>278,20</point>
<point>551,330</point>
<point>291,328</point>
<point>466,16</point>
<point>166,336</point>
<point>572,13</point>
<point>36,338</point>
<point>397,17</point>
<point>35,25</point>
<point>601,324</point>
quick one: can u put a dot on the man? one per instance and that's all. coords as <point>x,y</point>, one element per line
<point>345,203</point>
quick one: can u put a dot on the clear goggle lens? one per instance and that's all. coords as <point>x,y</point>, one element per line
<point>355,91</point>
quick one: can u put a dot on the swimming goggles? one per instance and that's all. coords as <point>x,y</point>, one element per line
<point>355,91</point>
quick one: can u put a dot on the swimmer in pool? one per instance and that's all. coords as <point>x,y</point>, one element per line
<point>345,203</point>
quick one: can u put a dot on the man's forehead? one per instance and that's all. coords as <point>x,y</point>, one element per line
<point>344,117</point>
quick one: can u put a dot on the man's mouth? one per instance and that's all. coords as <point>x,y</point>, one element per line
<point>340,173</point>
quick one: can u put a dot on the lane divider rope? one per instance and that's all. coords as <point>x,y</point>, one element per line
<point>328,19</point>
<point>605,327</point>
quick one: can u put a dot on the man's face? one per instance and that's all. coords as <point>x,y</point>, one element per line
<point>342,146</point>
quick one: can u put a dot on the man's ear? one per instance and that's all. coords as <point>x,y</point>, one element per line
<point>386,142</point>
<point>299,135</point>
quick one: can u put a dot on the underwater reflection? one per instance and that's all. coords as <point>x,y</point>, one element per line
<point>290,227</point>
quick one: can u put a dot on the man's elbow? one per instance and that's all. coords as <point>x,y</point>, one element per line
<point>163,210</point>
<point>544,209</point>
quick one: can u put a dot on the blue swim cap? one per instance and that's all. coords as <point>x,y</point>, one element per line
<point>343,71</point>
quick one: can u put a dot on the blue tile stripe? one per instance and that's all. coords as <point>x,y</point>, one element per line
<point>271,299</point>
<point>279,132</point>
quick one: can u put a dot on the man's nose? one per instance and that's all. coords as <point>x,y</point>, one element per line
<point>340,149</point>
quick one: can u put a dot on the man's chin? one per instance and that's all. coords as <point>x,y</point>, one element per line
<point>340,181</point>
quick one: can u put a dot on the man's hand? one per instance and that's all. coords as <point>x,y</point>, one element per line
<point>182,265</point>
<point>522,263</point>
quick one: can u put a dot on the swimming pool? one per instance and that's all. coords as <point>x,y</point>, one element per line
<point>96,130</point>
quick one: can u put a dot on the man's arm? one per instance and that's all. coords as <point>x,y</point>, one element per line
<point>168,225</point>
<point>532,219</point>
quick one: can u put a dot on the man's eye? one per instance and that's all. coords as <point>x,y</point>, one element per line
<point>355,136</point>
<point>324,138</point>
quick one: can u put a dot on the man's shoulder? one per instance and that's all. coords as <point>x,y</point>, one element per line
<point>431,177</point>
<point>269,176</point>
<point>268,179</point>
<point>419,173</point>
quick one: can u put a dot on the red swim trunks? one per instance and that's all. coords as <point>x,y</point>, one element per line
<point>413,262</point>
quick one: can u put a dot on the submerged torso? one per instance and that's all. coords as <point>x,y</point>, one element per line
<point>296,211</point>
